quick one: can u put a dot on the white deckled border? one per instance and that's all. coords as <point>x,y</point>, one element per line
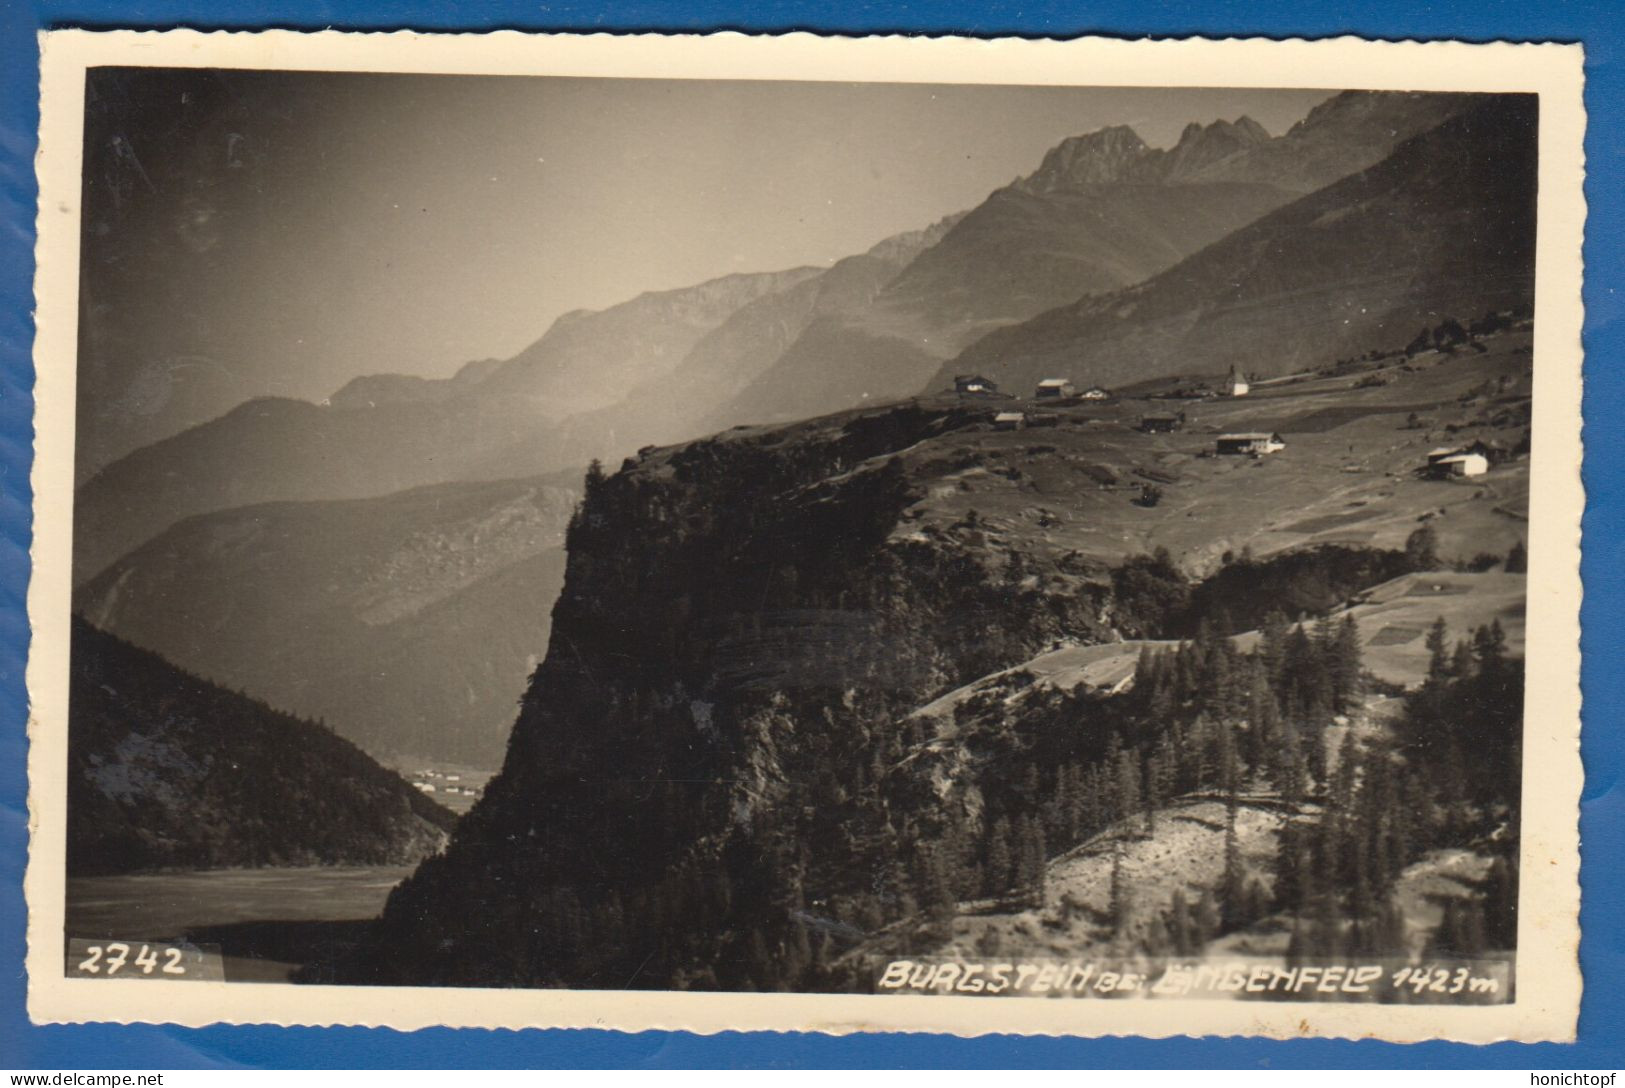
<point>1548,977</point>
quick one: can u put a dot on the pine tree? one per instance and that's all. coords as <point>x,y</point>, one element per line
<point>1118,907</point>
<point>1422,549</point>
<point>1263,719</point>
<point>1232,904</point>
<point>1517,561</point>
<point>1031,860</point>
<point>1501,905</point>
<point>1229,761</point>
<point>1346,665</point>
<point>1157,940</point>
<point>1204,919</point>
<point>1179,925</point>
<point>1153,795</point>
<point>1438,652</point>
<point>1290,766</point>
<point>1127,784</point>
<point>996,875</point>
<point>1272,644</point>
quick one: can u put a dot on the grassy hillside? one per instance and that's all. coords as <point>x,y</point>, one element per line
<point>166,771</point>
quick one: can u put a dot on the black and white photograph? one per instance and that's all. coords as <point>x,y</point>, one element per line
<point>918,540</point>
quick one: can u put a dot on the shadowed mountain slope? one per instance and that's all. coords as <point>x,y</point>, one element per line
<point>169,771</point>
<point>408,622</point>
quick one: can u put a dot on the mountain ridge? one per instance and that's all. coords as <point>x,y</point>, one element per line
<point>1323,276</point>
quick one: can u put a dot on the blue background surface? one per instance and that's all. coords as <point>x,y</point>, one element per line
<point>1602,1024</point>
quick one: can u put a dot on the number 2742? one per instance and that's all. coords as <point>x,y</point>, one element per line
<point>112,958</point>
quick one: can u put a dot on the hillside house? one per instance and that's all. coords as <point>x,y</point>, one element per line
<point>1009,421</point>
<point>1439,453</point>
<point>1095,392</point>
<point>1055,387</point>
<point>1473,459</point>
<point>1236,384</point>
<point>1459,464</point>
<point>1162,424</point>
<point>1255,443</point>
<point>974,385</point>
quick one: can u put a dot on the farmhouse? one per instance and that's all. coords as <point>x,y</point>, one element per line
<point>1469,460</point>
<point>1439,453</point>
<point>1249,442</point>
<point>1095,392</point>
<point>1460,464</point>
<point>974,385</point>
<point>1055,387</point>
<point>1009,421</point>
<point>1162,424</point>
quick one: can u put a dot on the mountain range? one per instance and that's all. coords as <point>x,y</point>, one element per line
<point>1443,226</point>
<point>1102,212</point>
<point>251,549</point>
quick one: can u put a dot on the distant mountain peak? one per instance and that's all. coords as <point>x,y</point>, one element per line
<point>1202,145</point>
<point>1095,158</point>
<point>1251,129</point>
<point>1117,154</point>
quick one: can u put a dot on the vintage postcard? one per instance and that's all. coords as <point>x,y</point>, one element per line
<point>808,533</point>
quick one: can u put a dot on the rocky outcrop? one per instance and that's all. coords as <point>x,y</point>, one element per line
<point>709,747</point>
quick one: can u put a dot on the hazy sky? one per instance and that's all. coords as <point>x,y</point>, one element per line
<point>296,230</point>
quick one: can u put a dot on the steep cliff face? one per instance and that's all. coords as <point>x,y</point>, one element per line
<point>712,744</point>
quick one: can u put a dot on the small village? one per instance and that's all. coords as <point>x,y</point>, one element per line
<point>1471,458</point>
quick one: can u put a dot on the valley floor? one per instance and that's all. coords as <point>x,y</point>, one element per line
<point>266,922</point>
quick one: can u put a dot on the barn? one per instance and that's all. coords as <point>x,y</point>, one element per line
<point>1055,387</point>
<point>1460,464</point>
<point>1255,443</point>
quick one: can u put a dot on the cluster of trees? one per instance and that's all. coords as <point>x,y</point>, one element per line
<point>169,771</point>
<point>1515,561</point>
<point>1152,597</point>
<point>1207,718</point>
<point>1388,802</point>
<point>1450,333</point>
